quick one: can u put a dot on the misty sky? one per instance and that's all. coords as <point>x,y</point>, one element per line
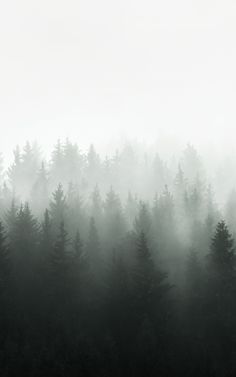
<point>95,70</point>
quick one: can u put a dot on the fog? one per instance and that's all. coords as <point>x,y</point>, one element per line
<point>117,188</point>
<point>95,71</point>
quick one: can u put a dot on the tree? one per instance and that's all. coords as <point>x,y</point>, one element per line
<point>93,166</point>
<point>120,313</point>
<point>76,215</point>
<point>26,232</point>
<point>4,261</point>
<point>29,167</point>
<point>60,254</point>
<point>151,309</point>
<point>46,240</point>
<point>60,267</point>
<point>222,252</point>
<point>10,220</point>
<point>93,248</point>
<point>14,171</point>
<point>142,223</point>
<point>192,164</point>
<point>180,186</point>
<point>72,162</point>
<point>220,297</point>
<point>96,205</point>
<point>114,221</point>
<point>58,207</point>
<point>56,165</point>
<point>39,193</point>
<point>78,247</point>
<point>160,174</point>
<point>149,282</point>
<point>80,268</point>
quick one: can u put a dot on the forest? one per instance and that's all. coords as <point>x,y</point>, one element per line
<point>117,265</point>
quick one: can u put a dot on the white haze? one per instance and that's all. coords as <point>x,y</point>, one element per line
<point>97,71</point>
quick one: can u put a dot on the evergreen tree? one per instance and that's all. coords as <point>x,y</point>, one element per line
<point>4,261</point>
<point>93,251</point>
<point>78,247</point>
<point>93,166</point>
<point>222,252</point>
<point>10,220</point>
<point>58,207</point>
<point>56,166</point>
<point>142,223</point>
<point>113,220</point>
<point>220,298</point>
<point>120,321</point>
<point>96,205</point>
<point>60,256</point>
<point>39,194</point>
<point>75,214</point>
<point>131,209</point>
<point>192,164</point>
<point>15,171</point>
<point>46,240</point>
<point>73,163</point>
<point>150,285</point>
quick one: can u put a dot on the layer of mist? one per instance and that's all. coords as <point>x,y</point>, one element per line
<point>117,264</point>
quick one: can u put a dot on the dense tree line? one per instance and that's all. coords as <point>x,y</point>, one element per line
<point>116,266</point>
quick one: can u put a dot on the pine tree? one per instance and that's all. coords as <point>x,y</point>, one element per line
<point>131,209</point>
<point>93,250</point>
<point>222,252</point>
<point>120,314</point>
<point>72,163</point>
<point>160,174</point>
<point>57,164</point>
<point>78,247</point>
<point>192,164</point>
<point>76,213</point>
<point>26,233</point>
<point>80,267</point>
<point>46,240</point>
<point>180,186</point>
<point>10,220</point>
<point>119,295</point>
<point>58,207</point>
<point>96,205</point>
<point>15,171</point>
<point>29,168</point>
<point>39,192</point>
<point>60,256</point>
<point>142,223</point>
<point>150,286</point>
<point>220,292</point>
<point>4,261</point>
<point>114,221</point>
<point>93,166</point>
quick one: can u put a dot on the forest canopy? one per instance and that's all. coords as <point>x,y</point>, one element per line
<point>117,265</point>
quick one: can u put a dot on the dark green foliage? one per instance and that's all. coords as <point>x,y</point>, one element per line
<point>4,261</point>
<point>149,282</point>
<point>222,254</point>
<point>96,301</point>
<point>60,256</point>
<point>93,248</point>
<point>58,207</point>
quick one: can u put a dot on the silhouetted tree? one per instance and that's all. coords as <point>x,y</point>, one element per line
<point>58,207</point>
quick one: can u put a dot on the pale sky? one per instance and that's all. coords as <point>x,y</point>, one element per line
<point>95,70</point>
